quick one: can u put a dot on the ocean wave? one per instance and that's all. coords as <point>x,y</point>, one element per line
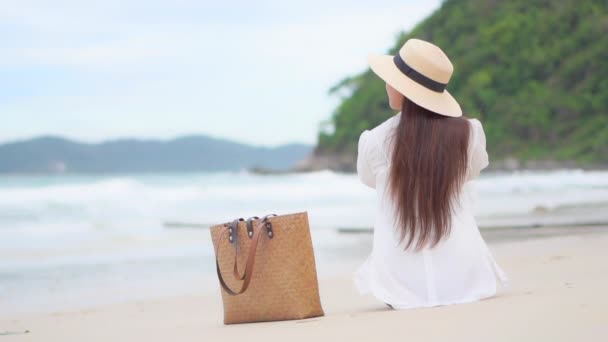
<point>213,197</point>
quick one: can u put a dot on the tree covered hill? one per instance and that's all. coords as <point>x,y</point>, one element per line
<point>535,73</point>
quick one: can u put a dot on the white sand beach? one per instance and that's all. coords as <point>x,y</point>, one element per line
<point>557,293</point>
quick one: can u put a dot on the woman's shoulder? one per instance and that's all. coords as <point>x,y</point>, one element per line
<point>385,130</point>
<point>475,123</point>
<point>478,156</point>
<point>477,131</point>
<point>374,142</point>
<point>388,124</point>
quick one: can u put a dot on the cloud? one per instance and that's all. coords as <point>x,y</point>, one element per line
<point>96,70</point>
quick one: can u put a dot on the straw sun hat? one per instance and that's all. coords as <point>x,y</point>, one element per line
<point>420,71</point>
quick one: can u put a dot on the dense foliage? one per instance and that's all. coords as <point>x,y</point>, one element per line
<point>535,73</point>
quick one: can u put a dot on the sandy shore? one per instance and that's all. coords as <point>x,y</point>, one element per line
<point>557,293</point>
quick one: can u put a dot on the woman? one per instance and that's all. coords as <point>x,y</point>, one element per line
<point>427,249</point>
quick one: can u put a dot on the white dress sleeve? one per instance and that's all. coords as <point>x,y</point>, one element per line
<point>371,156</point>
<point>478,156</point>
<point>364,171</point>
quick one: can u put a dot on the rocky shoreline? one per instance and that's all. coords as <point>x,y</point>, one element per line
<point>344,162</point>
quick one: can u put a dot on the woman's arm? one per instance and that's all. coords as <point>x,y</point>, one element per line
<point>364,171</point>
<point>479,156</point>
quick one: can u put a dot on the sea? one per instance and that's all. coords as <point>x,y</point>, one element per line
<point>75,241</point>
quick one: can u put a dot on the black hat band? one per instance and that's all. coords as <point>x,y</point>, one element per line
<point>418,77</point>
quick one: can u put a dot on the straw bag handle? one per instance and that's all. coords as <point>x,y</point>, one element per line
<point>233,238</point>
<point>250,259</point>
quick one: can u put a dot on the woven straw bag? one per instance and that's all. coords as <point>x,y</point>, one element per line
<point>283,285</point>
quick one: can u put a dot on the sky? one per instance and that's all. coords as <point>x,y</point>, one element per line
<point>256,72</point>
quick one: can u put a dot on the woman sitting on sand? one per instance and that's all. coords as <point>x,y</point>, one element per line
<point>427,249</point>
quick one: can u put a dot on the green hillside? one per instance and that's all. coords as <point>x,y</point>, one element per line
<point>534,72</point>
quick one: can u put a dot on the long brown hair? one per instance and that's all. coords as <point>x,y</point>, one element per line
<point>428,168</point>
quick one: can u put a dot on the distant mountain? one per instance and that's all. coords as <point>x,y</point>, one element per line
<point>188,153</point>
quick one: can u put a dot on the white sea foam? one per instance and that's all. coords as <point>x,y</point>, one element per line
<point>97,229</point>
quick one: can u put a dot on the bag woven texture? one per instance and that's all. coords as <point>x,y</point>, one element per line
<point>283,283</point>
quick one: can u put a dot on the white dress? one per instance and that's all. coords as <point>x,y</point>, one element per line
<point>459,269</point>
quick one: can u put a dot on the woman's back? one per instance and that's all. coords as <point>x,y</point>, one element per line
<point>427,247</point>
<point>458,269</point>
